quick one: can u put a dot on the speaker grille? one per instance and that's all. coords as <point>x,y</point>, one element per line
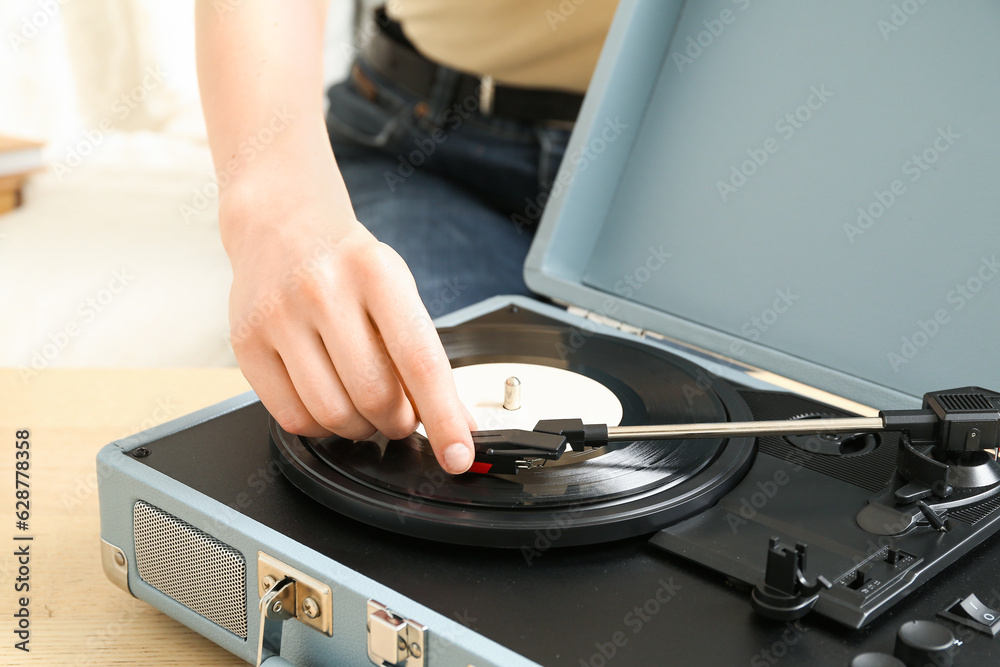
<point>192,567</point>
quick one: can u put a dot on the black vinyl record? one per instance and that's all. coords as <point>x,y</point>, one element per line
<point>624,490</point>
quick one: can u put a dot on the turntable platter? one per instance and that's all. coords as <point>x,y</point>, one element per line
<point>596,496</point>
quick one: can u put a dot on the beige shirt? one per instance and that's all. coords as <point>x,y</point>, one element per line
<point>532,43</point>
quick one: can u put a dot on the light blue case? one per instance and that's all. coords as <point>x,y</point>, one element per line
<point>823,176</point>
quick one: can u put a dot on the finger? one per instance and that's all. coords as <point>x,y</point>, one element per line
<point>368,375</point>
<point>320,388</point>
<point>414,346</point>
<point>264,370</point>
<point>470,419</point>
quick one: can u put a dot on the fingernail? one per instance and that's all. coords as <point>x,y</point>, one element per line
<point>457,458</point>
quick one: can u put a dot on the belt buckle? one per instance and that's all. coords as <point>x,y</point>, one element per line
<point>486,90</point>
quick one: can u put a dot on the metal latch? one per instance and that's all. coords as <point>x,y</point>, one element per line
<point>286,592</point>
<point>394,641</point>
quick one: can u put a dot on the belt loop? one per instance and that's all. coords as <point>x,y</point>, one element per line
<point>442,96</point>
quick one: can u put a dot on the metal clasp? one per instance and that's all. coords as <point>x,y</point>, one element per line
<point>313,601</point>
<point>394,641</point>
<point>276,607</point>
<point>285,593</point>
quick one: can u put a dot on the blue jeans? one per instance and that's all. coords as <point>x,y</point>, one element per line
<point>455,193</point>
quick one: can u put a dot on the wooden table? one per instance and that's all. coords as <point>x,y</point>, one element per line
<point>77,617</point>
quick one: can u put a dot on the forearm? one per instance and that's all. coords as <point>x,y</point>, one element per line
<point>327,324</point>
<point>260,74</point>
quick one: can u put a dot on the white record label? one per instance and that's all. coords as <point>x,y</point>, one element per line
<point>546,393</point>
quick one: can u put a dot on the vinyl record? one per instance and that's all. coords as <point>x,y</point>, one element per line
<point>624,490</point>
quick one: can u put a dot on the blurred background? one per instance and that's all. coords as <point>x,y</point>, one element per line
<point>109,245</point>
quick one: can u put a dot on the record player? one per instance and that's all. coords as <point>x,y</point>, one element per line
<point>736,444</point>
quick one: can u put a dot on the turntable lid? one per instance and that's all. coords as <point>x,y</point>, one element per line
<point>809,188</point>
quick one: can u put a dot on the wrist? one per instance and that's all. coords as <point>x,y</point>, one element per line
<point>283,194</point>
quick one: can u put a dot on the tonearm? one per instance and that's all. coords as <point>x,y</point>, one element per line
<point>955,421</point>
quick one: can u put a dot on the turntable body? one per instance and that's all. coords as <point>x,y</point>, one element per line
<point>547,603</point>
<point>680,244</point>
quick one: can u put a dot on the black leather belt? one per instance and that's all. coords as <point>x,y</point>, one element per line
<point>403,65</point>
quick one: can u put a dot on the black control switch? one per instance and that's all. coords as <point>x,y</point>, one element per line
<point>858,581</point>
<point>971,612</point>
<point>921,643</point>
<point>979,612</point>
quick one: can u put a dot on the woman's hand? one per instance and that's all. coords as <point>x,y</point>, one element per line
<point>327,324</point>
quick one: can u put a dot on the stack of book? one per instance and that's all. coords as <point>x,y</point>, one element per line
<point>18,158</point>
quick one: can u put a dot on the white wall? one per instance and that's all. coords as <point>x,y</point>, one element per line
<point>64,63</point>
<point>105,264</point>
